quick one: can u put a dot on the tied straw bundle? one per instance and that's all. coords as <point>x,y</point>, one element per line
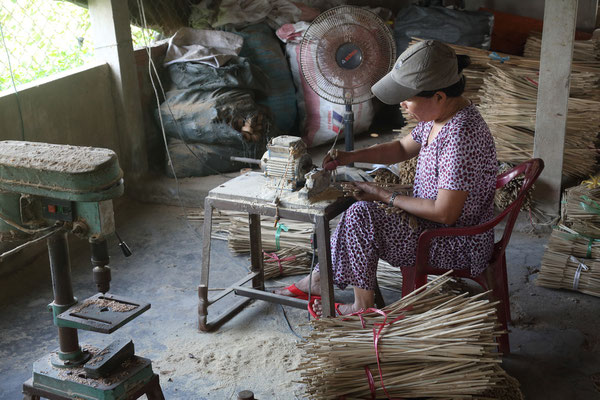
<point>291,258</point>
<point>509,103</point>
<point>428,344</point>
<point>583,50</point>
<point>563,267</point>
<point>580,209</point>
<point>513,124</point>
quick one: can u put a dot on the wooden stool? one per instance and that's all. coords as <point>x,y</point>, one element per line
<point>152,390</point>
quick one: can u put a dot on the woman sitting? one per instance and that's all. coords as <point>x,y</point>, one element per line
<point>454,182</point>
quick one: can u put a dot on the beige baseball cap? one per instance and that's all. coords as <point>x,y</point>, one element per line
<point>427,65</point>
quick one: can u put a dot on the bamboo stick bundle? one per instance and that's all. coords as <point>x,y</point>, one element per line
<point>286,262</point>
<point>297,235</point>
<point>220,221</point>
<point>585,75</point>
<point>507,194</point>
<point>483,57</point>
<point>513,124</point>
<point>580,210</point>
<point>565,271</point>
<point>429,344</point>
<point>567,241</point>
<point>583,50</point>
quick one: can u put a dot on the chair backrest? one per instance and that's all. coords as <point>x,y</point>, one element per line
<point>531,169</point>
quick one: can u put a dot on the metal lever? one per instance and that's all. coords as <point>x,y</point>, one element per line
<point>124,248</point>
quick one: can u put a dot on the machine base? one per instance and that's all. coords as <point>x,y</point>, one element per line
<point>130,380</point>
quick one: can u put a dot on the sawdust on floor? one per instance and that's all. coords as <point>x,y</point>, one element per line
<point>234,360</point>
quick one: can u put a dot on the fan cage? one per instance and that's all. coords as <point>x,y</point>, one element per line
<point>325,35</point>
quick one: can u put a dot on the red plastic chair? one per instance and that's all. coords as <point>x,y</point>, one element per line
<point>494,277</point>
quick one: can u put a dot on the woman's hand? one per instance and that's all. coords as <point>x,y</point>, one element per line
<point>366,191</point>
<point>335,158</point>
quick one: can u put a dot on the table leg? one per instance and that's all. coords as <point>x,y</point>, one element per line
<point>324,252</point>
<point>203,287</point>
<point>256,256</point>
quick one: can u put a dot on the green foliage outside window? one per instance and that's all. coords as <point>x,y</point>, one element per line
<point>44,37</point>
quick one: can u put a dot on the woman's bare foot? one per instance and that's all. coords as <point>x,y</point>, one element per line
<point>363,299</point>
<point>302,285</point>
<point>342,309</point>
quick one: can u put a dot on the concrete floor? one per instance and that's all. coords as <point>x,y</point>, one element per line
<point>555,338</point>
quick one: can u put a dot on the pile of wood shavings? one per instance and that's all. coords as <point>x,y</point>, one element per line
<point>79,375</point>
<point>113,305</point>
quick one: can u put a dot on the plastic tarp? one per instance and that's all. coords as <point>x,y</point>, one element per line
<point>206,108</point>
<point>263,49</point>
<point>209,47</point>
<point>465,28</point>
<point>218,13</point>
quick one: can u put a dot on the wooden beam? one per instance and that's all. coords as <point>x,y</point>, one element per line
<point>552,102</point>
<point>111,34</point>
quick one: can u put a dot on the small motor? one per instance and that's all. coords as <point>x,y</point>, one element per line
<point>286,162</point>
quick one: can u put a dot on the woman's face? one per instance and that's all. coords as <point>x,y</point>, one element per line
<point>422,108</point>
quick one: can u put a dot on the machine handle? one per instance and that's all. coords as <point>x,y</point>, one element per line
<point>124,248</point>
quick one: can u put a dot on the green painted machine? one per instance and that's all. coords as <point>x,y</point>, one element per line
<point>48,191</point>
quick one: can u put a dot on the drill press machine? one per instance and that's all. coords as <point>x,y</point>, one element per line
<point>46,192</point>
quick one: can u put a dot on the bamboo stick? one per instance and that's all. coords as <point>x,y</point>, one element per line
<point>440,345</point>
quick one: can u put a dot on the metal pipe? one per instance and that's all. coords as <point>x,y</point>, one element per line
<point>245,160</point>
<point>349,130</point>
<point>60,268</point>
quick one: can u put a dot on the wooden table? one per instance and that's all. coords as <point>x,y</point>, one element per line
<point>251,193</point>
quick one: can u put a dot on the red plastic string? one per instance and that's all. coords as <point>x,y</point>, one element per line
<point>532,81</point>
<point>275,258</point>
<point>371,382</point>
<point>376,336</point>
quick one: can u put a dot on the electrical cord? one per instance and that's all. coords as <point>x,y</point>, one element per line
<point>290,325</point>
<point>153,74</point>
<point>15,225</point>
<point>29,243</point>
<point>12,77</point>
<point>312,266</point>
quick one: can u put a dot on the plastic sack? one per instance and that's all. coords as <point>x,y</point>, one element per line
<point>263,50</point>
<point>239,73</point>
<point>465,28</point>
<point>217,13</point>
<point>209,47</point>
<point>197,159</point>
<point>320,120</point>
<point>212,117</point>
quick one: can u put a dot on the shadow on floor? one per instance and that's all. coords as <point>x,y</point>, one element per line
<point>554,338</point>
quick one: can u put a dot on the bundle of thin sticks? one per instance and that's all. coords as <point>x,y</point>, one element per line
<point>565,266</point>
<point>406,171</point>
<point>290,259</point>
<point>286,234</point>
<point>428,344</point>
<point>286,262</point>
<point>583,50</point>
<point>507,194</point>
<point>580,210</point>
<point>406,174</point>
<point>513,123</point>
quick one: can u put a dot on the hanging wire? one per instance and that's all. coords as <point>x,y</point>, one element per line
<point>12,77</point>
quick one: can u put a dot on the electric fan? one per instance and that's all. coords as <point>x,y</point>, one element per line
<point>344,51</point>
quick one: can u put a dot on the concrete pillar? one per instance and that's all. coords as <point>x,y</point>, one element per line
<point>111,34</point>
<point>552,102</point>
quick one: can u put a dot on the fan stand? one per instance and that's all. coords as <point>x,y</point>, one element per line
<point>349,129</point>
